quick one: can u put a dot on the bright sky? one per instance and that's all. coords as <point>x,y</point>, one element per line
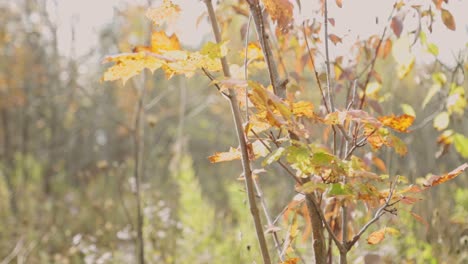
<point>355,19</point>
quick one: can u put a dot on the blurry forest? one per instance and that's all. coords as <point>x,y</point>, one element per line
<point>67,156</point>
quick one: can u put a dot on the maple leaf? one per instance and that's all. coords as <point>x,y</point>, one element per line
<point>438,179</point>
<point>280,11</point>
<point>303,108</point>
<point>128,65</point>
<point>398,123</point>
<point>167,12</point>
<point>161,42</point>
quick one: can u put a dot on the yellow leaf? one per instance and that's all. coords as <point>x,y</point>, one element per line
<point>254,51</point>
<point>373,89</point>
<point>233,154</point>
<point>167,12</point>
<point>128,65</point>
<point>303,108</point>
<point>441,121</point>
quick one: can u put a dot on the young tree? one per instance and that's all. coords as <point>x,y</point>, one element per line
<point>330,148</point>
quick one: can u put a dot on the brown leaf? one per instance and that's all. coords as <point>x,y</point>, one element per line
<point>334,38</point>
<point>376,237</point>
<point>436,180</point>
<point>448,19</point>
<point>396,26</point>
<point>331,21</point>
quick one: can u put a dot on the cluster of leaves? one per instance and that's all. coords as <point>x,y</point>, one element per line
<point>281,130</point>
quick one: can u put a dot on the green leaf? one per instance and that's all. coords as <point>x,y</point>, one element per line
<point>310,187</point>
<point>461,144</point>
<point>274,156</point>
<point>433,49</point>
<point>408,109</point>
<point>439,78</point>
<point>322,159</point>
<point>339,189</point>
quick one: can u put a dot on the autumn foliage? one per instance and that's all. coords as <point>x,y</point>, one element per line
<point>327,130</point>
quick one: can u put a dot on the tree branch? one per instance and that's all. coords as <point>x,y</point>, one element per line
<point>249,183</point>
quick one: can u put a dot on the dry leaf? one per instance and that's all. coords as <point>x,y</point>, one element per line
<point>398,123</point>
<point>396,26</point>
<point>376,237</point>
<point>448,19</point>
<point>438,179</point>
<point>334,38</point>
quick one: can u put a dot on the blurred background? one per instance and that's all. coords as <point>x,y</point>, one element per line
<point>66,149</point>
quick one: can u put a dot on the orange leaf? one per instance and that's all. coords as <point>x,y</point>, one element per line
<point>436,180</point>
<point>339,3</point>
<point>280,11</point>
<point>420,219</point>
<point>291,261</point>
<point>386,49</point>
<point>379,164</point>
<point>398,123</point>
<point>334,38</point>
<point>233,154</point>
<point>162,42</point>
<point>376,237</point>
<point>448,19</point>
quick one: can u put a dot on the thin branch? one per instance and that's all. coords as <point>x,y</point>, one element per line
<point>246,49</point>
<point>249,183</point>
<point>374,59</point>
<point>315,70</point>
<point>330,91</point>
<point>274,233</point>
<point>279,87</point>
<point>210,76</point>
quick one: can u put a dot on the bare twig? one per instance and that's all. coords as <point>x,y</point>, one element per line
<point>315,70</point>
<point>330,91</point>
<point>374,59</point>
